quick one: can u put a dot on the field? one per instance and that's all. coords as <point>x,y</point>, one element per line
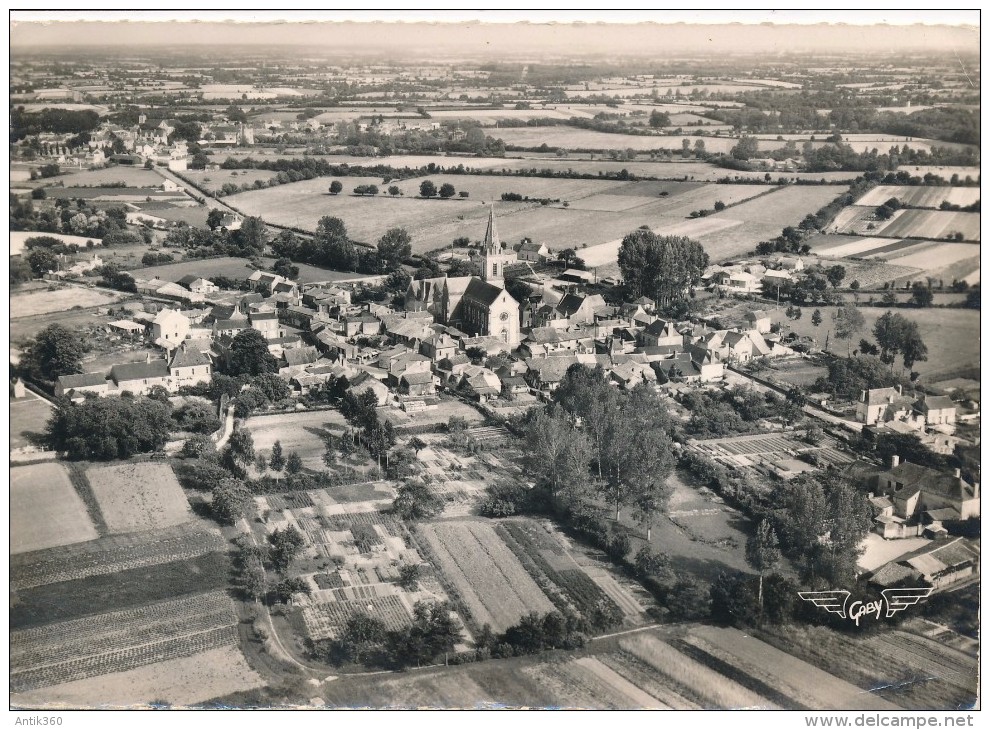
<point>859,220</point>
<point>132,177</point>
<point>920,196</point>
<point>140,496</point>
<point>563,580</point>
<point>489,580</point>
<point>300,432</point>
<point>45,510</point>
<point>952,336</point>
<point>215,179</point>
<point>113,554</point>
<point>942,171</point>
<point>183,682</point>
<point>120,640</point>
<point>28,417</point>
<point>234,268</point>
<point>59,300</point>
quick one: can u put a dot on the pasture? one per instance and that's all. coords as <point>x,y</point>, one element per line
<point>900,259</point>
<point>59,299</point>
<point>28,417</point>
<point>138,496</point>
<point>45,509</point>
<point>920,196</point>
<point>932,224</point>
<point>214,180</point>
<point>487,577</point>
<point>952,336</point>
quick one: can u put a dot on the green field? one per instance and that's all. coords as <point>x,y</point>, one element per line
<point>45,509</point>
<point>215,179</point>
<point>28,416</point>
<point>234,268</point>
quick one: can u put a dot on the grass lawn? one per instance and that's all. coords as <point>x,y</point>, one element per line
<point>302,432</point>
<point>132,177</point>
<point>234,268</point>
<point>124,589</point>
<point>59,300</point>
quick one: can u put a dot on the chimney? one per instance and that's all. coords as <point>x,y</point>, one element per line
<point>976,490</point>
<point>148,358</point>
<point>900,391</point>
<point>956,473</point>
<point>895,460</point>
<point>862,396</point>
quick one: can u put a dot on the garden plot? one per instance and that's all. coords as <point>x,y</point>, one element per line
<point>45,510</point>
<point>328,620</point>
<point>490,581</point>
<point>765,449</point>
<point>121,640</point>
<point>141,496</point>
<point>932,255</point>
<point>28,417</point>
<point>918,196</point>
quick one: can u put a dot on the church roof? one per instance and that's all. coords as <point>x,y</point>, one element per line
<point>481,291</point>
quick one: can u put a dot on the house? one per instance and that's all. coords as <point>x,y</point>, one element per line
<point>364,381</point>
<point>545,374</point>
<point>914,489</point>
<point>295,359</point>
<point>267,324</point>
<point>758,320</point>
<point>404,364</point>
<point>662,333</point>
<point>939,564</point>
<point>189,366</point>
<point>438,346</point>
<point>479,383</point>
<point>363,324</point>
<point>169,328</point>
<point>74,386</point>
<point>879,405</point>
<point>578,309</point>
<point>140,377</point>
<point>126,327</point>
<point>229,327</point>
<point>417,384</point>
<point>629,374</point>
<point>741,282</point>
<point>198,284</point>
<point>937,410</point>
<point>745,346</point>
<point>536,253</point>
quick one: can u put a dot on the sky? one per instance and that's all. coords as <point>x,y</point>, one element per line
<point>554,32</point>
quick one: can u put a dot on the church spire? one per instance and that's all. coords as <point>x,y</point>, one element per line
<point>492,242</point>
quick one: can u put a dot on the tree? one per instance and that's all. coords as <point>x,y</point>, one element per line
<point>921,295</point>
<point>335,187</point>
<point>762,553</point>
<point>230,500</point>
<point>393,247</point>
<point>746,148</point>
<point>108,428</point>
<point>41,261</point>
<point>848,322</point>
<point>285,546</point>
<point>816,317</point>
<point>393,190</point>
<point>252,235</point>
<point>427,189</point>
<point>214,218</point>
<point>663,268</point>
<point>659,119</point>
<point>249,355</point>
<point>557,453</point>
<point>277,461</point>
<point>414,500</point>
<point>20,270</point>
<point>54,351</point>
<point>447,191</point>
<point>293,464</point>
<point>835,275</point>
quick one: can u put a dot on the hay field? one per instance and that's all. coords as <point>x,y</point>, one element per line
<point>45,510</point>
<point>138,496</point>
<point>215,179</point>
<point>932,224</point>
<point>300,432</point>
<point>920,196</point>
<point>133,177</point>
<point>59,300</point>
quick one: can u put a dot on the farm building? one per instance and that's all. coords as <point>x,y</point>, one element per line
<point>536,253</point>
<point>74,386</point>
<point>939,565</point>
<point>879,405</point>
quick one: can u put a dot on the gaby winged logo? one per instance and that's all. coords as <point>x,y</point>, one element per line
<point>894,600</point>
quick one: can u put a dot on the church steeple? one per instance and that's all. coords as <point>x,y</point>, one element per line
<point>493,260</point>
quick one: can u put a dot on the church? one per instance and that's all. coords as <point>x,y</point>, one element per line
<point>477,306</point>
